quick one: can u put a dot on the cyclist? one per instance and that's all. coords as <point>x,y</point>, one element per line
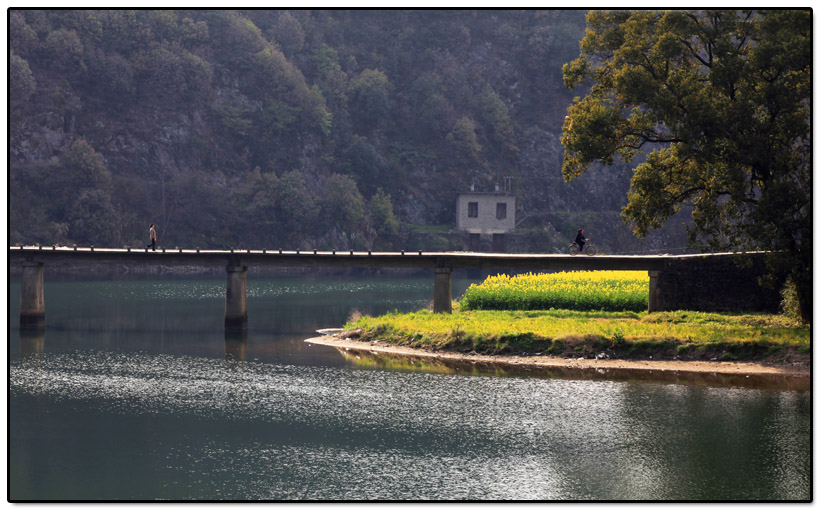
<point>580,240</point>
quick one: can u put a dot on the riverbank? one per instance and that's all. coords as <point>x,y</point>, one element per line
<point>691,342</point>
<point>798,366</point>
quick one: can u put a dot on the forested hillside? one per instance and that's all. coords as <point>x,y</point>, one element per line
<point>295,129</point>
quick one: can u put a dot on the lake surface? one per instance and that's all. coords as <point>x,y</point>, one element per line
<point>134,392</point>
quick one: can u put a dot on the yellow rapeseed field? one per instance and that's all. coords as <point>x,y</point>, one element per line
<point>574,290</point>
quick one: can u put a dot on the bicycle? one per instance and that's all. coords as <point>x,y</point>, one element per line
<point>589,249</point>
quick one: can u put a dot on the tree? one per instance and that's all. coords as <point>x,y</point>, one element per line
<point>21,82</point>
<point>289,33</point>
<point>193,33</point>
<point>22,37</point>
<point>294,206</point>
<point>262,206</point>
<point>325,59</point>
<point>111,75</point>
<point>87,208</point>
<point>365,162</point>
<point>381,211</point>
<point>720,101</point>
<point>173,73</point>
<point>64,50</point>
<point>496,116</point>
<point>371,98</point>
<point>464,141</point>
<point>342,205</point>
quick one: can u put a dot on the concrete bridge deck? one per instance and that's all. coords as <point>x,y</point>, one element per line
<point>346,258</point>
<point>236,263</point>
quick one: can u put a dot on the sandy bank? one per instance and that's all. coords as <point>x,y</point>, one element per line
<point>791,370</point>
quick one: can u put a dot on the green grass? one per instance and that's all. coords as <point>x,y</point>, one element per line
<point>683,334</point>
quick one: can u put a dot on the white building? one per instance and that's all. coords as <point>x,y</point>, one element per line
<point>485,215</point>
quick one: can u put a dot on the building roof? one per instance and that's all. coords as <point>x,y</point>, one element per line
<point>503,193</point>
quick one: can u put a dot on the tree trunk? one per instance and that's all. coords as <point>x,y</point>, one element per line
<point>804,301</point>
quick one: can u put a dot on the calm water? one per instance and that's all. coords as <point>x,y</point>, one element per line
<point>134,392</point>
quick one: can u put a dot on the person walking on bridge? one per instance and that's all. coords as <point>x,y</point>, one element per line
<point>152,233</point>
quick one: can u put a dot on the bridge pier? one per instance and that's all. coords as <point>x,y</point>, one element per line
<point>654,291</point>
<point>236,305</point>
<point>32,299</point>
<point>442,290</point>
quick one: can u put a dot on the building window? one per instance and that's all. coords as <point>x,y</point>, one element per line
<point>501,210</point>
<point>472,209</point>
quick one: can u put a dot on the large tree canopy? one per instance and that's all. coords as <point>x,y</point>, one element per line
<point>718,103</point>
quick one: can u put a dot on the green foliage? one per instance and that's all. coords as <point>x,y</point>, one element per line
<point>236,119</point>
<point>113,75</point>
<point>203,97</point>
<point>294,206</point>
<point>381,210</point>
<point>82,166</point>
<point>370,96</point>
<point>64,50</point>
<point>172,72</point>
<point>87,213</point>
<point>287,95</point>
<point>238,39</point>
<point>325,59</point>
<point>262,204</point>
<point>721,101</point>
<point>193,33</point>
<point>22,38</point>
<point>21,80</point>
<point>790,305</point>
<point>464,140</point>
<point>496,116</point>
<point>288,33</point>
<point>91,218</point>
<point>365,162</point>
<point>342,204</point>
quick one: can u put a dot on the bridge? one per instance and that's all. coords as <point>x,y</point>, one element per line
<point>675,281</point>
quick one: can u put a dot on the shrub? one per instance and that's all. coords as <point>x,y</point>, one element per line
<point>789,304</point>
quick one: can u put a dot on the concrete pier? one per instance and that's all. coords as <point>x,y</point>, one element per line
<point>654,291</point>
<point>442,290</point>
<point>236,304</point>
<point>32,299</point>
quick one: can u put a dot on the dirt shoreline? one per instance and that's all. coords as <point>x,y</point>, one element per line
<point>798,370</point>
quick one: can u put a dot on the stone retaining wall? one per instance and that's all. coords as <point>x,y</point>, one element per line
<point>712,284</point>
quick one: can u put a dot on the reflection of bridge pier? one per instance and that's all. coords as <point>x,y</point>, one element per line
<point>711,282</point>
<point>236,344</point>
<point>32,297</point>
<point>236,305</point>
<point>32,342</point>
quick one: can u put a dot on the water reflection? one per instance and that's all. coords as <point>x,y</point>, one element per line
<point>32,342</point>
<point>389,361</point>
<point>236,345</point>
